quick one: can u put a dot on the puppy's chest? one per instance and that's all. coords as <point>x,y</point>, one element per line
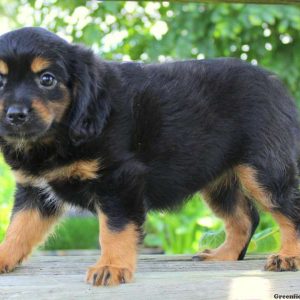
<point>70,182</point>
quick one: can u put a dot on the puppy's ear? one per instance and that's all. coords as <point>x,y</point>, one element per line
<point>90,106</point>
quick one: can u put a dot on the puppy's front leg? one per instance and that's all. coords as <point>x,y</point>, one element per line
<point>118,254</point>
<point>121,217</point>
<point>30,222</point>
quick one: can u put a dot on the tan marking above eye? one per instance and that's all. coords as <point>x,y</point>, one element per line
<point>39,64</point>
<point>3,67</point>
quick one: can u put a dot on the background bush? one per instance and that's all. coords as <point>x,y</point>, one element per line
<point>160,31</point>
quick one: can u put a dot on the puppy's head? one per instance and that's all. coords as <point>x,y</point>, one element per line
<point>47,84</point>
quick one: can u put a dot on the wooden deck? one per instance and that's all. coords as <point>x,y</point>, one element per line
<point>157,277</point>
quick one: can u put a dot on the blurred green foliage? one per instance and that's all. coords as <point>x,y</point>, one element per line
<point>194,227</point>
<point>6,193</point>
<point>161,31</point>
<point>74,233</point>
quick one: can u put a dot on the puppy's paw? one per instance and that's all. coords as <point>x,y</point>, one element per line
<point>6,264</point>
<point>106,275</point>
<point>206,254</point>
<point>279,263</point>
<point>8,259</point>
<point>219,254</point>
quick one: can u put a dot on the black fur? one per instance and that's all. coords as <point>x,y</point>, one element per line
<point>92,105</point>
<point>255,221</point>
<point>161,132</point>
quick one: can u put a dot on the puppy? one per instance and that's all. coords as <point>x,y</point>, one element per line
<point>121,139</point>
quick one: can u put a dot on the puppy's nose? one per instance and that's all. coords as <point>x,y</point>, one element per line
<point>17,114</point>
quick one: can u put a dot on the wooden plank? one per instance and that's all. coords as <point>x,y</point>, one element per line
<point>76,265</point>
<point>144,256</point>
<point>238,1</point>
<point>158,277</point>
<point>152,286</point>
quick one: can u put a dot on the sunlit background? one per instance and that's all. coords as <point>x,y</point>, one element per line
<point>162,31</point>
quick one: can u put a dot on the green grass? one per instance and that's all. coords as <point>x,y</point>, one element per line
<point>74,233</point>
<point>194,228</point>
<point>7,187</point>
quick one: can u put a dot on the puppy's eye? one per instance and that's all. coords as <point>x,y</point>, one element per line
<point>48,80</point>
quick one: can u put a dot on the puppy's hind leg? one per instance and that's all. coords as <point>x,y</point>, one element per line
<point>240,217</point>
<point>278,193</point>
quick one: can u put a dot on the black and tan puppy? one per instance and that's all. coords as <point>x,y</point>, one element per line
<point>121,139</point>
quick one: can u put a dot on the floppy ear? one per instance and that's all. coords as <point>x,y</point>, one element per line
<point>90,106</point>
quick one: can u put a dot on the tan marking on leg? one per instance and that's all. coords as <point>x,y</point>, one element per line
<point>248,179</point>
<point>82,170</point>
<point>26,230</point>
<point>238,229</point>
<point>3,67</point>
<point>118,255</point>
<point>290,240</point>
<point>288,258</point>
<point>43,111</point>
<point>39,64</point>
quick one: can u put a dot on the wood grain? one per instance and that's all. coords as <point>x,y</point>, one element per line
<point>157,277</point>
